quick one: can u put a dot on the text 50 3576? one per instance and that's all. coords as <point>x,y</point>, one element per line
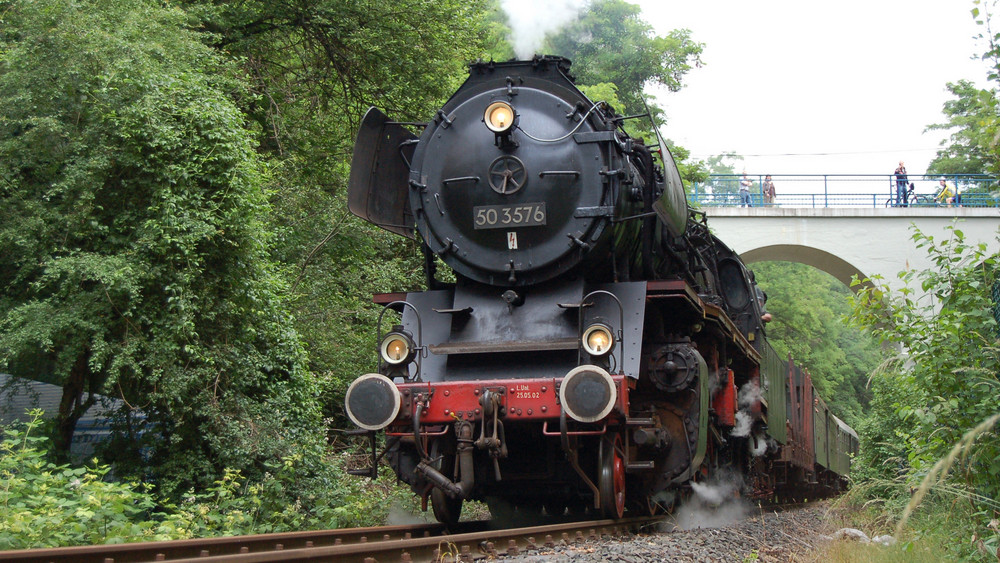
<point>502,216</point>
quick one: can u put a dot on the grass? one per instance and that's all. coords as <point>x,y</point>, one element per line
<point>941,520</point>
<point>850,552</point>
<point>950,525</point>
<point>939,472</point>
<point>943,532</point>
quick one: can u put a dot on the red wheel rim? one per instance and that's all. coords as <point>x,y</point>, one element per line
<point>619,481</point>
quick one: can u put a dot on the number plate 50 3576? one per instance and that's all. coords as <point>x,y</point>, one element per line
<point>504,216</point>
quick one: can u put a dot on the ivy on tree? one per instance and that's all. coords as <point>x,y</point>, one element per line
<point>134,229</point>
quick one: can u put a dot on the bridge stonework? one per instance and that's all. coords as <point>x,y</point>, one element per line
<point>845,242</point>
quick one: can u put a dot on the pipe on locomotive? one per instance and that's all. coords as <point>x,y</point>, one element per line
<point>460,490</point>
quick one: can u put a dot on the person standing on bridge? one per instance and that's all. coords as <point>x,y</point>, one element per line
<point>901,182</point>
<point>745,185</point>
<point>768,191</point>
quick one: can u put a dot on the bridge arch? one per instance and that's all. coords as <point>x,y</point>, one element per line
<point>819,259</point>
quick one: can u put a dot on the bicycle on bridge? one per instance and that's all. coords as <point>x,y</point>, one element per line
<point>911,199</point>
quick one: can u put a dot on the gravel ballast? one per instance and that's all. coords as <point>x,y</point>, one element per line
<point>734,532</point>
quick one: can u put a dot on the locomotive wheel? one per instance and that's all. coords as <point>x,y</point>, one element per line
<point>446,509</point>
<point>612,478</point>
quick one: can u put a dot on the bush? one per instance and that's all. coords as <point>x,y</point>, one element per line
<point>930,437</point>
<point>48,505</point>
<point>43,504</point>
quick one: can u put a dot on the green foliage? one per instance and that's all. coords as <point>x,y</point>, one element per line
<point>134,226</point>
<point>287,498</point>
<point>322,63</point>
<point>315,68</point>
<point>691,171</point>
<point>972,117</point>
<point>47,505</point>
<point>982,12</point>
<point>610,42</point>
<point>719,165</point>
<point>883,455</point>
<point>946,528</point>
<point>939,474</point>
<point>935,404</point>
<point>933,416</point>
<point>948,376</point>
<point>809,308</point>
<point>496,34</point>
<point>615,52</point>
<point>968,151</point>
<point>333,306</point>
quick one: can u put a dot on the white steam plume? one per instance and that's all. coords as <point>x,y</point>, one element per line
<point>749,394</point>
<point>714,494</point>
<point>399,516</point>
<point>714,504</point>
<point>743,424</point>
<point>530,20</point>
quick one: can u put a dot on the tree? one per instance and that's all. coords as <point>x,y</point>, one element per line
<point>134,237</point>
<point>315,68</point>
<point>691,171</point>
<point>968,151</point>
<point>975,142</point>
<point>610,42</point>
<point>615,52</point>
<point>727,181</point>
<point>809,309</point>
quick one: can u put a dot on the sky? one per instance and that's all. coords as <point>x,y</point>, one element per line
<point>818,87</point>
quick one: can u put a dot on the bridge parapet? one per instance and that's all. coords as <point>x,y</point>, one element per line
<point>845,190</point>
<point>907,214</point>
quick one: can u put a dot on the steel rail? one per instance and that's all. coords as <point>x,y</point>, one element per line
<point>395,543</point>
<point>456,547</point>
<point>202,547</point>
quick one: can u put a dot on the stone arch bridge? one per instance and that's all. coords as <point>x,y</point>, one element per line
<point>845,242</point>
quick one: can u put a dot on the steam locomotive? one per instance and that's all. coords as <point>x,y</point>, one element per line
<point>598,348</point>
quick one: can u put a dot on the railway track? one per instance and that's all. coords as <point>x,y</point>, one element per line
<point>425,542</point>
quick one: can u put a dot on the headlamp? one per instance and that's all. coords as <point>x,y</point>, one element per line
<point>499,117</point>
<point>598,340</point>
<point>397,348</point>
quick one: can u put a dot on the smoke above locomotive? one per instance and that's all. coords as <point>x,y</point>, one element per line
<point>588,354</point>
